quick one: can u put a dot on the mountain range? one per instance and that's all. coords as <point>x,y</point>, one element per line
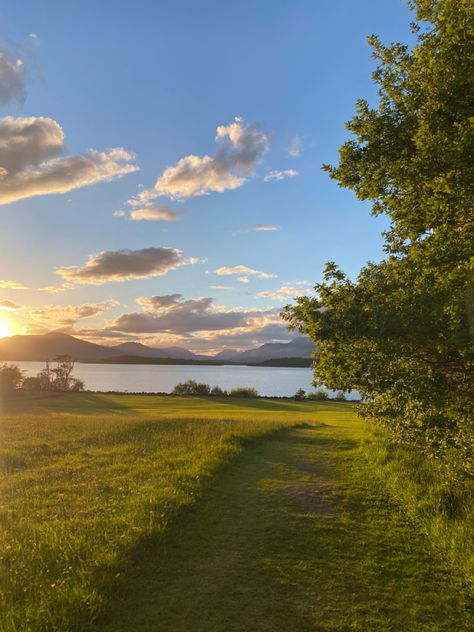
<point>42,347</point>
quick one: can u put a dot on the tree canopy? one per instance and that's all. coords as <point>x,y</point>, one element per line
<point>402,333</point>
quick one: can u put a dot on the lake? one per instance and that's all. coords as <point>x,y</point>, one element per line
<point>269,381</point>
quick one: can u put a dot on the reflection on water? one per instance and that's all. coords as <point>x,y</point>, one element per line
<point>139,378</point>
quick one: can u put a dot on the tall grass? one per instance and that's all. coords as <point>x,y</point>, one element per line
<point>78,491</point>
<point>442,508</point>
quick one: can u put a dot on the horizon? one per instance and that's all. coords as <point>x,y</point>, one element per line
<point>165,185</point>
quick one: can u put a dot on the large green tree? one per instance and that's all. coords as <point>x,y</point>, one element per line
<point>402,333</point>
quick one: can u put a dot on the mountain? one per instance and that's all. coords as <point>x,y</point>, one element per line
<point>299,347</point>
<point>43,347</point>
<point>137,349</point>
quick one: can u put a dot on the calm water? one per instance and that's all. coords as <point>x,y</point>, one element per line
<point>270,381</point>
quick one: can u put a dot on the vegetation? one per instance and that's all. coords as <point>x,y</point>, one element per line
<point>402,334</point>
<point>295,531</point>
<point>191,387</point>
<point>11,378</point>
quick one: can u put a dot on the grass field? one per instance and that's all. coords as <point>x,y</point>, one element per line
<point>141,513</point>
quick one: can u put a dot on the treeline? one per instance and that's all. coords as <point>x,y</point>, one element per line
<point>55,377</point>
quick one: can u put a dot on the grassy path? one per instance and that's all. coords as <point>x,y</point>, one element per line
<point>293,536</point>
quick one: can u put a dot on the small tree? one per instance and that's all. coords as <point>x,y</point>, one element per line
<point>191,387</point>
<point>11,377</point>
<point>62,380</point>
<point>300,394</point>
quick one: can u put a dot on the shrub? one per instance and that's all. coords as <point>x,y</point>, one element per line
<point>300,394</point>
<point>217,391</point>
<point>11,377</point>
<point>318,396</point>
<point>191,387</point>
<point>244,391</point>
<point>340,397</point>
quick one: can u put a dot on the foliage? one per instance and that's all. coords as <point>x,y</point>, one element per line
<point>244,391</point>
<point>319,395</point>
<point>402,333</point>
<point>217,391</point>
<point>340,397</point>
<point>300,394</point>
<point>55,378</point>
<point>191,387</point>
<point>11,377</point>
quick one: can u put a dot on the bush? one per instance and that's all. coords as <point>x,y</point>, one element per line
<point>300,394</point>
<point>191,387</point>
<point>318,396</point>
<point>340,397</point>
<point>244,391</point>
<point>11,377</point>
<point>217,391</point>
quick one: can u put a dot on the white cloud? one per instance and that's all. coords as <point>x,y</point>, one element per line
<point>122,265</point>
<point>240,147</point>
<point>244,271</point>
<point>295,147</point>
<point>31,165</point>
<point>280,175</point>
<point>157,212</point>
<point>221,287</point>
<point>12,78</point>
<point>283,293</point>
<point>261,228</point>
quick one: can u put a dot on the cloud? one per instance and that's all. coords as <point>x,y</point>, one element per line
<point>11,285</point>
<point>12,79</point>
<point>60,316</point>
<point>122,265</point>
<point>221,287</point>
<point>284,292</point>
<point>294,149</point>
<point>157,212</point>
<point>10,306</point>
<point>240,147</point>
<point>172,314</point>
<point>245,271</point>
<point>56,289</point>
<point>262,228</point>
<point>30,161</point>
<point>280,175</point>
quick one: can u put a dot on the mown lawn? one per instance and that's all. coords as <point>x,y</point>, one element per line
<point>144,513</point>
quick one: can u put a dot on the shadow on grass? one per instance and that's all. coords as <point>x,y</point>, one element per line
<point>269,548</point>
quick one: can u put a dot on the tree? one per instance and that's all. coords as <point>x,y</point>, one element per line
<point>402,333</point>
<point>11,377</point>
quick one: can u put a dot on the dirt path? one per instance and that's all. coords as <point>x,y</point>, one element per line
<point>293,536</point>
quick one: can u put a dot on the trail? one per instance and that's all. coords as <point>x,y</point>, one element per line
<point>292,536</point>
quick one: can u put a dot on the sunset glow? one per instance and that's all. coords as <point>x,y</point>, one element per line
<point>5,329</point>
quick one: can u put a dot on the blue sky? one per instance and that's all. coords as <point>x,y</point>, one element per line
<point>157,79</point>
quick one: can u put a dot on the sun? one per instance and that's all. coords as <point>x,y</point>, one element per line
<point>5,329</point>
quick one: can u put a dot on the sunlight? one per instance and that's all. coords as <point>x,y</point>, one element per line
<point>5,329</point>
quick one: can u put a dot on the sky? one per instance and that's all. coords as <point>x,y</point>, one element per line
<point>160,163</point>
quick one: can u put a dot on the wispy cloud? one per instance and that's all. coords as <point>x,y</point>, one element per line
<point>284,292</point>
<point>60,316</point>
<point>31,165</point>
<point>240,147</point>
<point>261,228</point>
<point>245,271</point>
<point>12,80</point>
<point>280,175</point>
<point>122,265</point>
<point>294,149</point>
<point>11,285</point>
<point>221,287</point>
<point>10,306</point>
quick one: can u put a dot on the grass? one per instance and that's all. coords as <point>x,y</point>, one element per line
<point>141,513</point>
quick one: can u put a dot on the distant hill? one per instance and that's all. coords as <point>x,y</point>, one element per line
<point>138,349</point>
<point>43,347</point>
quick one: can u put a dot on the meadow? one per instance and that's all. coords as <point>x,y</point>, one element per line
<point>123,512</point>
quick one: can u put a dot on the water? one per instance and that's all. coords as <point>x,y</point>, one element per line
<point>269,381</point>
